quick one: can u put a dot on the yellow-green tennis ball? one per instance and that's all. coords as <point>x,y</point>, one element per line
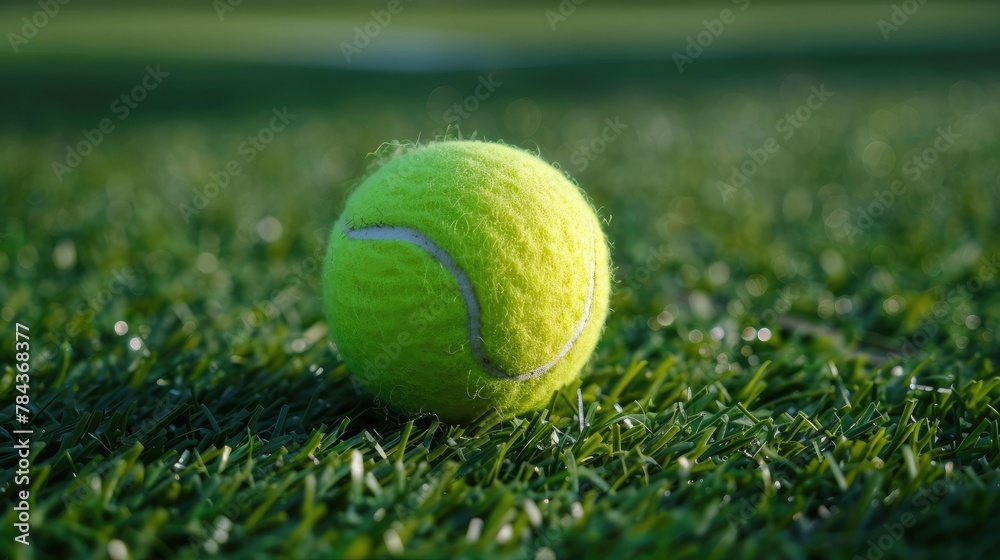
<point>464,277</point>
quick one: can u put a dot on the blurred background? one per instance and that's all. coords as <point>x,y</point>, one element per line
<point>756,162</point>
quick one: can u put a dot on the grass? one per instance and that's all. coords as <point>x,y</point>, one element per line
<point>768,384</point>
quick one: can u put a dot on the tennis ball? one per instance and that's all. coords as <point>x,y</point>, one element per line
<point>465,277</point>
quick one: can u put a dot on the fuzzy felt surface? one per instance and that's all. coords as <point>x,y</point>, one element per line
<point>531,248</point>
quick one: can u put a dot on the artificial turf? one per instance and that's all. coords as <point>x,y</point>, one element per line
<point>770,382</point>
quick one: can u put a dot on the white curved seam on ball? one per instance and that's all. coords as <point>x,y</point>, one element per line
<point>410,235</point>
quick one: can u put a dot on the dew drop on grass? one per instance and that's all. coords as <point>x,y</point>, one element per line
<point>64,255</point>
<point>894,305</point>
<point>825,308</point>
<point>534,514</point>
<point>505,533</point>
<point>665,318</point>
<point>269,229</point>
<point>545,553</point>
<point>843,305</point>
<point>27,256</point>
<point>392,542</point>
<point>475,530</point>
<point>117,550</point>
<point>206,263</point>
<point>756,285</point>
<point>357,466</point>
<point>718,273</point>
<point>878,158</point>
